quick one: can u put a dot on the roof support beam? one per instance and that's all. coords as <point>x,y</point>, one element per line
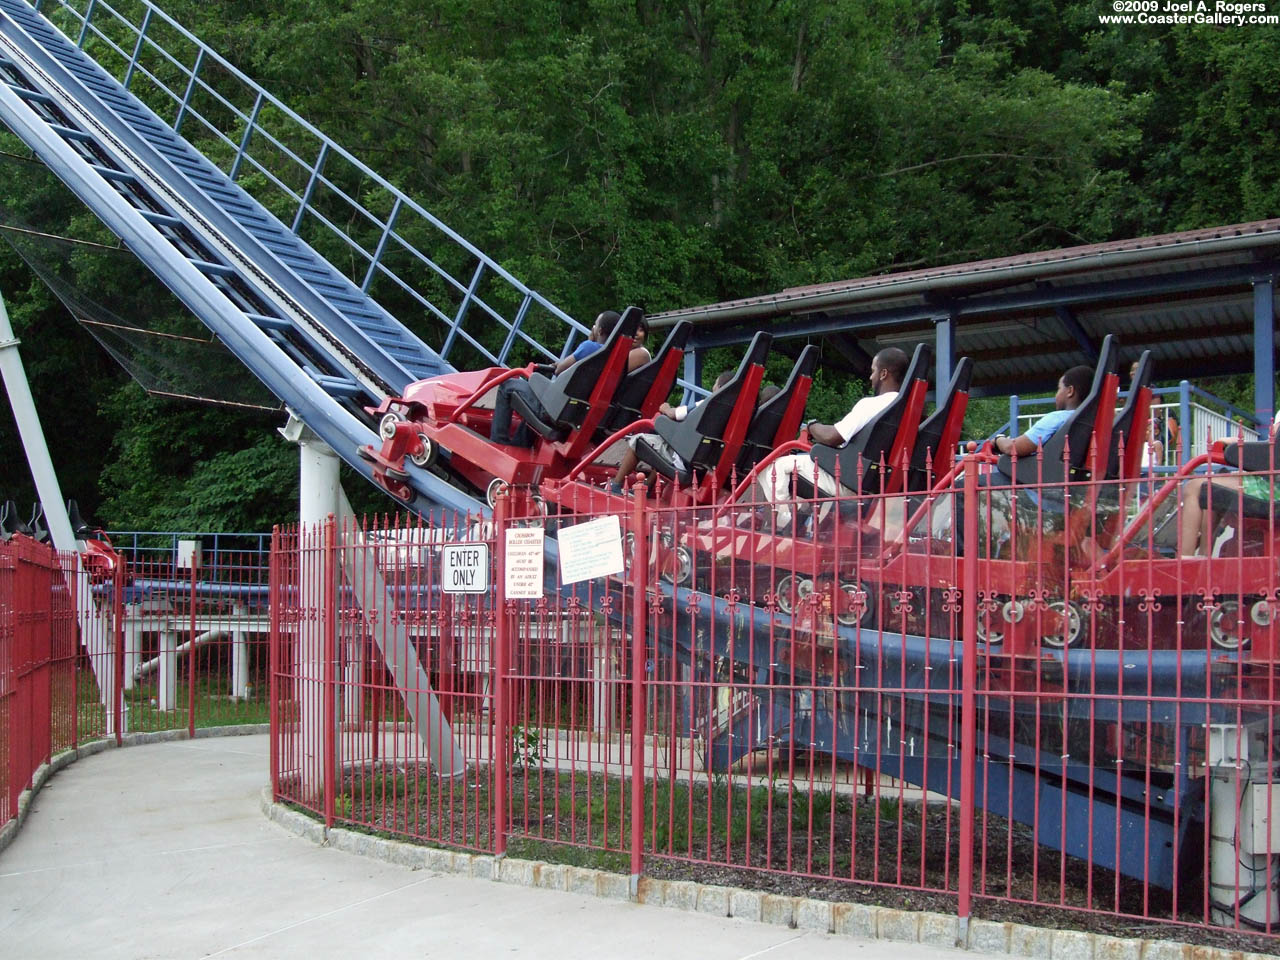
<point>851,351</point>
<point>1264,349</point>
<point>944,350</point>
<point>1072,326</point>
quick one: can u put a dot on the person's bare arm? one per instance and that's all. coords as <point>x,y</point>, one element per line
<point>824,433</point>
<point>1022,446</point>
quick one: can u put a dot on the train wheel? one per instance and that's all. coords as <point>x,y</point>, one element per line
<point>387,425</point>
<point>491,493</point>
<point>990,629</point>
<point>1227,626</point>
<point>855,603</point>
<point>784,590</point>
<point>1070,619</point>
<point>679,568</point>
<point>427,455</point>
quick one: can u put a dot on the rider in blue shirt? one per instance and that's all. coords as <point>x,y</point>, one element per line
<point>500,432</point>
<point>1073,387</point>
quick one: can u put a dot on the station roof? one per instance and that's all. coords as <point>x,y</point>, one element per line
<point>1189,297</point>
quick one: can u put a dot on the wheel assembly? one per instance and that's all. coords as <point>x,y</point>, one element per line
<point>855,603</point>
<point>491,494</point>
<point>1070,619</point>
<point>426,456</point>
<point>683,571</point>
<point>387,425</point>
<point>785,587</point>
<point>1225,626</point>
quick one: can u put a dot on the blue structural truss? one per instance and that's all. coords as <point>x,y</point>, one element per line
<point>311,334</point>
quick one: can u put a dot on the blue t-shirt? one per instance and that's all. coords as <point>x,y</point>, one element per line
<point>1047,426</point>
<point>585,349</point>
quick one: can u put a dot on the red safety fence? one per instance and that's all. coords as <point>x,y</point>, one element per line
<point>167,644</point>
<point>1068,708</point>
<point>48,696</point>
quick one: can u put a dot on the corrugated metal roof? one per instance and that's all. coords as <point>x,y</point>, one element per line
<point>1197,305</point>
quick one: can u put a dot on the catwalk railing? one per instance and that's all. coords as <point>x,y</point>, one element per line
<point>1055,711</point>
<point>186,644</point>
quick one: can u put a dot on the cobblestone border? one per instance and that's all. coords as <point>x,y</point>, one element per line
<point>67,757</point>
<point>801,913</point>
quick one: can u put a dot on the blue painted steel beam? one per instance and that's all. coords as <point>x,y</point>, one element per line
<point>944,349</point>
<point>1264,349</point>
<point>692,371</point>
<point>1077,333</point>
<point>332,422</point>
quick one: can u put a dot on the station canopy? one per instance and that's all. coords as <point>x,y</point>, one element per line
<point>1202,301</point>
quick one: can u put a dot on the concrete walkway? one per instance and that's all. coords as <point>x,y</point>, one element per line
<point>162,851</point>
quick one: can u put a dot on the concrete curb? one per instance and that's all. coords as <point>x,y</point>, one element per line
<point>843,919</point>
<point>9,831</point>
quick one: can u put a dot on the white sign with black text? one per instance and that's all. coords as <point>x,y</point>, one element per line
<point>589,550</point>
<point>464,568</point>
<point>522,575</point>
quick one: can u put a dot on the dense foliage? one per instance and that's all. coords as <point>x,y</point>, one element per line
<point>677,153</point>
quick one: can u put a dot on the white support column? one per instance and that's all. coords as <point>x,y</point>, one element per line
<point>133,631</point>
<point>318,487</point>
<point>352,677</point>
<point>167,685</point>
<point>603,676</point>
<point>239,652</point>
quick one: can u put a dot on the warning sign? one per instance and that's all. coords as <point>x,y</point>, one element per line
<point>522,575</point>
<point>589,550</point>
<point>464,568</point>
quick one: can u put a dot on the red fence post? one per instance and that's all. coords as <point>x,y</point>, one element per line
<point>77,640</point>
<point>329,627</point>
<point>501,760</point>
<point>117,612</point>
<point>639,612</point>
<point>969,679</point>
<point>274,595</point>
<point>191,653</point>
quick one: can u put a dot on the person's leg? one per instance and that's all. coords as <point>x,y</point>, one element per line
<point>1191,519</point>
<point>501,432</point>
<point>628,465</point>
<point>775,482</point>
<point>500,429</point>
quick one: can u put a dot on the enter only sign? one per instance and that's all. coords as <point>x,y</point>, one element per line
<point>464,568</point>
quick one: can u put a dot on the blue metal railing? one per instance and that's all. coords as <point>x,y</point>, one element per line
<point>296,171</point>
<point>215,546</point>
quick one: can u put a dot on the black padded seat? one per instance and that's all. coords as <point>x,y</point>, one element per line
<point>770,420</point>
<point>1227,501</point>
<point>924,456</point>
<point>700,438</point>
<point>1123,427</point>
<point>82,529</point>
<point>10,522</point>
<point>36,524</point>
<point>653,379</point>
<point>874,442</point>
<point>1077,431</point>
<point>1254,456</point>
<point>567,398</point>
